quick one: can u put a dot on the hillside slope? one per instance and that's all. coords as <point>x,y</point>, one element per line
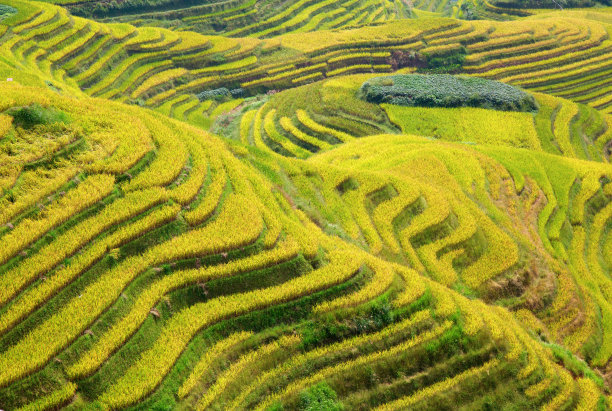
<point>281,243</point>
<point>565,53</point>
<point>125,265</point>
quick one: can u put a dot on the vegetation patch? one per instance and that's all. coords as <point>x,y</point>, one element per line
<point>467,124</point>
<point>35,114</point>
<point>6,11</point>
<point>443,90</point>
<point>296,246</point>
<point>449,63</point>
<point>319,397</point>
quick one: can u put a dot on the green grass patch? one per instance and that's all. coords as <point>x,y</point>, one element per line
<point>34,114</point>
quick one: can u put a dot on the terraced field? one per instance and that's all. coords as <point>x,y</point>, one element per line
<point>126,267</point>
<point>252,18</point>
<point>219,219</point>
<point>567,56</point>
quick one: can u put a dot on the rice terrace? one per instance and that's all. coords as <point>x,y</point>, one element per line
<point>306,205</point>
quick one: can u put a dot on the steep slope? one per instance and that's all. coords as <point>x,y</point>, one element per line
<point>125,277</point>
<point>321,248</point>
<point>544,195</point>
<point>565,54</point>
<point>312,118</point>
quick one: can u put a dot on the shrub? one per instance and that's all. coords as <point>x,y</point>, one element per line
<point>215,94</point>
<point>6,11</point>
<point>34,114</point>
<point>445,64</point>
<point>319,397</point>
<point>443,90</point>
<point>237,92</point>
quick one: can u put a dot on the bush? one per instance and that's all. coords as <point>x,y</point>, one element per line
<point>574,364</point>
<point>35,114</point>
<point>237,92</point>
<point>320,397</point>
<point>443,90</point>
<point>446,64</point>
<point>215,94</point>
<point>6,11</point>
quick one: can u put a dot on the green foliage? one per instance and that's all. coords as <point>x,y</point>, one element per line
<point>380,316</point>
<point>329,329</point>
<point>35,114</point>
<point>6,11</point>
<point>574,364</point>
<point>277,406</point>
<point>215,94</point>
<point>118,7</point>
<point>469,12</point>
<point>452,342</point>
<point>442,90</point>
<point>445,64</point>
<point>320,397</point>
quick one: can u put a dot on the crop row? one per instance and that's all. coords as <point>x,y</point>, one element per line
<point>159,45</point>
<point>437,231</point>
<point>384,214</point>
<point>340,350</point>
<point>502,252</point>
<point>150,368</point>
<point>90,191</point>
<point>40,292</point>
<point>104,89</point>
<point>307,121</point>
<point>205,361</point>
<point>379,283</point>
<point>299,135</point>
<point>33,186</point>
<point>116,335</point>
<point>445,385</point>
<point>171,157</point>
<point>524,49</point>
<point>569,71</point>
<point>598,274</point>
<point>273,134</point>
<point>204,209</point>
<point>346,366</point>
<point>229,376</point>
<point>213,238</point>
<point>52,400</point>
<point>68,243</point>
<point>149,80</point>
<point>187,190</point>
